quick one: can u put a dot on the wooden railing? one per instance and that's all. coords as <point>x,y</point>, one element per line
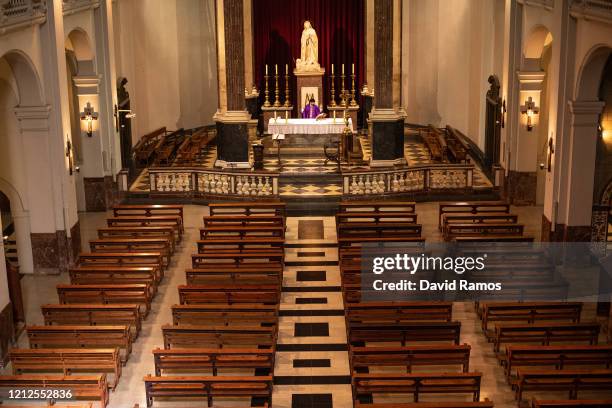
<point>15,14</point>
<point>420,179</point>
<point>205,182</point>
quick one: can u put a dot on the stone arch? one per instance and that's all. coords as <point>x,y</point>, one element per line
<point>79,44</point>
<point>538,38</point>
<point>591,71</point>
<point>30,91</point>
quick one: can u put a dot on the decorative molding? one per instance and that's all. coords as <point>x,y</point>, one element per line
<point>545,4</point>
<point>76,6</point>
<point>18,14</point>
<point>232,116</point>
<point>33,118</point>
<point>597,10</point>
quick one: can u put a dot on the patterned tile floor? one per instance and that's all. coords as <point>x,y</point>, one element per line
<point>310,190</point>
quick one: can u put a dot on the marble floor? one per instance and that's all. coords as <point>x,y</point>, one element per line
<point>312,365</point>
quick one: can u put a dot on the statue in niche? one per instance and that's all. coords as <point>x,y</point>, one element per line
<point>309,60</point>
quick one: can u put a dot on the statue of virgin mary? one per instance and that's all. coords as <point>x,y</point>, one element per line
<point>309,58</point>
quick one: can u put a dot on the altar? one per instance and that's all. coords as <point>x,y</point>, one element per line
<point>328,126</point>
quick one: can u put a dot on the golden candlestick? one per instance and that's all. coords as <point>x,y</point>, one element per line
<point>332,89</point>
<point>342,89</point>
<point>267,89</point>
<point>276,91</point>
<point>353,90</point>
<point>287,90</point>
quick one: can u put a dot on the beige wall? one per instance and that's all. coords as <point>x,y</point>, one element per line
<point>166,50</point>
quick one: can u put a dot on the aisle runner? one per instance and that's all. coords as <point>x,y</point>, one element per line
<point>312,367</point>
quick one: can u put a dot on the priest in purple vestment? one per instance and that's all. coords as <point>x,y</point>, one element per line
<point>311,111</point>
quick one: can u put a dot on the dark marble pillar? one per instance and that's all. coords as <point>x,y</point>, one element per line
<point>565,233</point>
<point>521,187</point>
<point>232,132</point>
<point>55,252</point>
<point>387,124</point>
<point>7,331</point>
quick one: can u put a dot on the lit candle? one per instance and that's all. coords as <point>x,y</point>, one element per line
<point>353,68</point>
<point>286,114</point>
<point>276,68</point>
<point>332,69</point>
<point>342,69</point>
<point>286,69</point>
<point>266,69</point>
<point>275,116</point>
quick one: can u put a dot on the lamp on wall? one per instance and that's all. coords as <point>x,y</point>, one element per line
<point>129,115</point>
<point>530,109</point>
<point>89,115</point>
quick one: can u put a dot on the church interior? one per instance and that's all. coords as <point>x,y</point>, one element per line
<point>195,196</point>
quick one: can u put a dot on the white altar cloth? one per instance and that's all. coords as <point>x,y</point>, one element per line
<point>307,126</point>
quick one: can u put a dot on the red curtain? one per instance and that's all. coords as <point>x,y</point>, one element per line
<point>277,29</point>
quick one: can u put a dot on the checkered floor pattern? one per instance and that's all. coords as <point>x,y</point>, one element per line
<point>310,190</point>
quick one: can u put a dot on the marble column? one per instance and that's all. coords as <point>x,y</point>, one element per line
<point>387,120</point>
<point>232,118</point>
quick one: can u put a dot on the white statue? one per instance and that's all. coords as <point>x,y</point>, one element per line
<point>309,60</point>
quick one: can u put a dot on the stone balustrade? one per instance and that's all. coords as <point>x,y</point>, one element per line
<point>600,10</point>
<point>17,14</point>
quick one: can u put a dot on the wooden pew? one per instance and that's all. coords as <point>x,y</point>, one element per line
<point>146,146</point>
<point>225,315</point>
<point>106,275</point>
<point>474,207</point>
<point>148,210</point>
<point>244,220</point>
<point>93,315</point>
<point>545,333</point>
<point>571,381</point>
<point>530,312</point>
<point>487,218</point>
<point>255,294</point>
<point>405,333</point>
<point>410,356</point>
<point>81,337</point>
<point>140,294</point>
<point>218,245</point>
<point>358,242</point>
<point>251,208</point>
<point>66,361</point>
<point>371,230</point>
<point>165,151</point>
<point>189,336</point>
<point>482,404</point>
<point>82,387</point>
<point>436,144</point>
<point>482,230</point>
<point>236,275</point>
<point>457,147</point>
<point>376,217</point>
<point>223,259</point>
<point>398,312</point>
<point>535,403</point>
<point>173,221</point>
<point>417,384</point>
<point>204,359</point>
<point>377,206</point>
<point>239,231</point>
<point>493,238</point>
<point>139,232</point>
<point>119,259</point>
<point>207,388</point>
<point>558,357</point>
<point>134,245</point>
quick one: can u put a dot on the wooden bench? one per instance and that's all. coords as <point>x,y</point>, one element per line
<point>93,315</point>
<point>106,275</point>
<point>377,206</point>
<point>244,220</point>
<point>453,231</point>
<point>479,240</point>
<point>260,208</point>
<point>236,275</point>
<point>82,387</point>
<point>530,312</point>
<point>558,357</point>
<point>371,230</point>
<point>140,294</point>
<point>146,146</point>
<point>165,151</point>
<point>487,218</point>
<point>240,244</point>
<point>571,403</point>
<point>147,210</point>
<point>200,359</point>
<point>207,388</point>
<point>358,242</point>
<point>239,231</point>
<point>119,259</point>
<point>388,312</point>
<point>139,232</point>
<point>417,384</point>
<point>81,337</point>
<point>474,207</point>
<point>410,356</point>
<point>223,259</point>
<point>545,333</point>
<point>482,404</point>
<point>173,221</point>
<point>404,333</point>
<point>571,381</point>
<point>202,294</point>
<point>132,245</point>
<point>225,315</point>
<point>189,336</point>
<point>67,361</point>
<point>376,217</point>
<point>457,147</point>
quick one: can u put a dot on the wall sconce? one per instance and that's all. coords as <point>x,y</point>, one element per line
<point>129,115</point>
<point>530,109</point>
<point>89,115</point>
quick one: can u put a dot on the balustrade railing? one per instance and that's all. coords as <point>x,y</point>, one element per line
<point>202,182</point>
<point>420,179</point>
<point>74,6</point>
<point>596,9</point>
<point>15,14</point>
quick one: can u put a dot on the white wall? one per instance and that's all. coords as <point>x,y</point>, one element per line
<point>166,50</point>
